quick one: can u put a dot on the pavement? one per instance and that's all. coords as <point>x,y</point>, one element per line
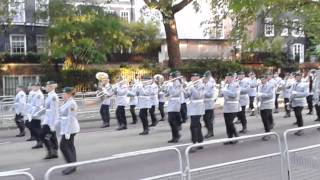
<point>93,142</point>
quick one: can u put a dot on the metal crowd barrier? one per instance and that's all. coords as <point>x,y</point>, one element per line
<point>15,173</point>
<point>272,157</point>
<point>178,174</point>
<point>304,162</point>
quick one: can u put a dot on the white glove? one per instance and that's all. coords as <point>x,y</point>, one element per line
<point>67,136</point>
<point>52,128</point>
<point>29,117</point>
<point>294,92</point>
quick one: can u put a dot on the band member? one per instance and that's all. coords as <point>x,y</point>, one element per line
<point>174,91</point>
<point>19,104</point>
<point>209,100</point>
<point>161,97</point>
<point>107,92</point>
<point>50,120</point>
<point>244,100</point>
<point>316,94</point>
<point>278,83</point>
<point>121,92</point>
<point>69,126</point>
<point>195,92</point>
<point>272,82</point>
<point>286,91</point>
<point>133,100</point>
<point>183,101</point>
<point>266,97</point>
<point>310,81</point>
<point>231,94</point>
<point>28,111</point>
<point>253,91</point>
<point>37,103</point>
<point>154,102</point>
<point>144,103</point>
<point>298,98</point>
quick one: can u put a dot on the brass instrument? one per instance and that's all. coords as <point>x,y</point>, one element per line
<point>171,80</point>
<point>193,83</point>
<point>101,76</point>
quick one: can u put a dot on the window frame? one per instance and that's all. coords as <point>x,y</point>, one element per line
<point>15,8</point>
<point>301,51</point>
<point>37,8</point>
<point>25,43</point>
<point>267,25</point>
<point>47,43</point>
<point>126,11</point>
<point>294,32</point>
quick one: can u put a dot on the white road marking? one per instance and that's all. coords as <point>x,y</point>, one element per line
<point>14,171</point>
<point>3,143</point>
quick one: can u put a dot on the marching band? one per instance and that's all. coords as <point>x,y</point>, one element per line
<point>195,100</point>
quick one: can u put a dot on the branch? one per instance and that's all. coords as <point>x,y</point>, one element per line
<point>178,7</point>
<point>152,4</point>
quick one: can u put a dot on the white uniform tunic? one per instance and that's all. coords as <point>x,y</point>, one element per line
<point>278,83</point>
<point>316,90</point>
<point>196,95</point>
<point>209,92</point>
<point>174,93</point>
<point>121,92</point>
<point>68,118</point>
<point>154,94</point>
<point>52,110</point>
<point>266,96</point>
<point>37,104</point>
<point>287,88</point>
<point>144,96</point>
<point>231,94</point>
<point>299,93</point>
<point>28,106</point>
<point>253,87</point>
<point>108,93</point>
<point>132,93</point>
<point>244,92</point>
<point>20,103</point>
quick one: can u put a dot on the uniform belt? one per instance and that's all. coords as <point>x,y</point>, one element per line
<point>122,96</point>
<point>301,99</point>
<point>145,97</point>
<point>209,99</point>
<point>175,99</point>
<point>196,101</point>
<point>268,101</point>
<point>243,95</point>
<point>232,102</point>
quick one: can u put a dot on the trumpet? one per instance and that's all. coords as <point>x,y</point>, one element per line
<point>171,80</point>
<point>193,83</point>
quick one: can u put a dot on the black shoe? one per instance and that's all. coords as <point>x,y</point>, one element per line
<point>121,128</point>
<point>200,147</point>
<point>31,139</point>
<point>38,146</point>
<point>51,156</point>
<point>162,119</point>
<point>318,119</point>
<point>272,126</point>
<point>184,121</point>
<point>21,134</point>
<point>287,116</point>
<point>153,124</point>
<point>209,135</point>
<point>69,170</point>
<point>299,133</point>
<point>295,123</point>
<point>228,143</point>
<point>144,133</point>
<point>243,131</point>
<point>174,140</point>
<point>318,129</point>
<point>133,122</point>
<point>310,113</point>
<point>276,111</point>
<point>266,138</point>
<point>193,150</point>
<point>104,125</point>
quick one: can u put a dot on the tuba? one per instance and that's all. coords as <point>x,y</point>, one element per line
<point>101,76</point>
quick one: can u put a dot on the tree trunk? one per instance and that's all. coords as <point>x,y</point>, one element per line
<point>172,41</point>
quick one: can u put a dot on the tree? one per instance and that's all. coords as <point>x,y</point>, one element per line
<point>168,8</point>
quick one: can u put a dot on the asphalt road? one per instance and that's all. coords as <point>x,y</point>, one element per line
<point>93,142</point>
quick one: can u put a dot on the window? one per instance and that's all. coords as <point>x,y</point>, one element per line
<point>41,8</point>
<point>17,11</point>
<point>42,44</point>
<point>110,11</point>
<point>298,52</point>
<point>18,44</point>
<point>285,30</point>
<point>124,15</point>
<point>10,82</point>
<point>218,31</point>
<point>297,28</point>
<point>268,27</point>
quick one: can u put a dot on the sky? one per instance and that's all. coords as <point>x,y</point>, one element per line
<point>188,21</point>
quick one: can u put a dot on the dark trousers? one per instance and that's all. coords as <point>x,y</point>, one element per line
<point>298,114</point>
<point>195,127</point>
<point>143,114</point>
<point>19,122</point>
<point>286,105</point>
<point>105,114</point>
<point>184,112</point>
<point>174,119</point>
<point>152,111</point>
<point>208,119</point>
<point>28,125</point>
<point>317,106</point>
<point>231,129</point>
<point>161,109</point>
<point>266,116</point>
<point>121,116</point>
<point>49,138</point>
<point>242,117</point>
<point>36,128</point>
<point>67,148</point>
<point>251,105</point>
<point>276,101</point>
<point>133,113</point>
<point>310,102</point>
